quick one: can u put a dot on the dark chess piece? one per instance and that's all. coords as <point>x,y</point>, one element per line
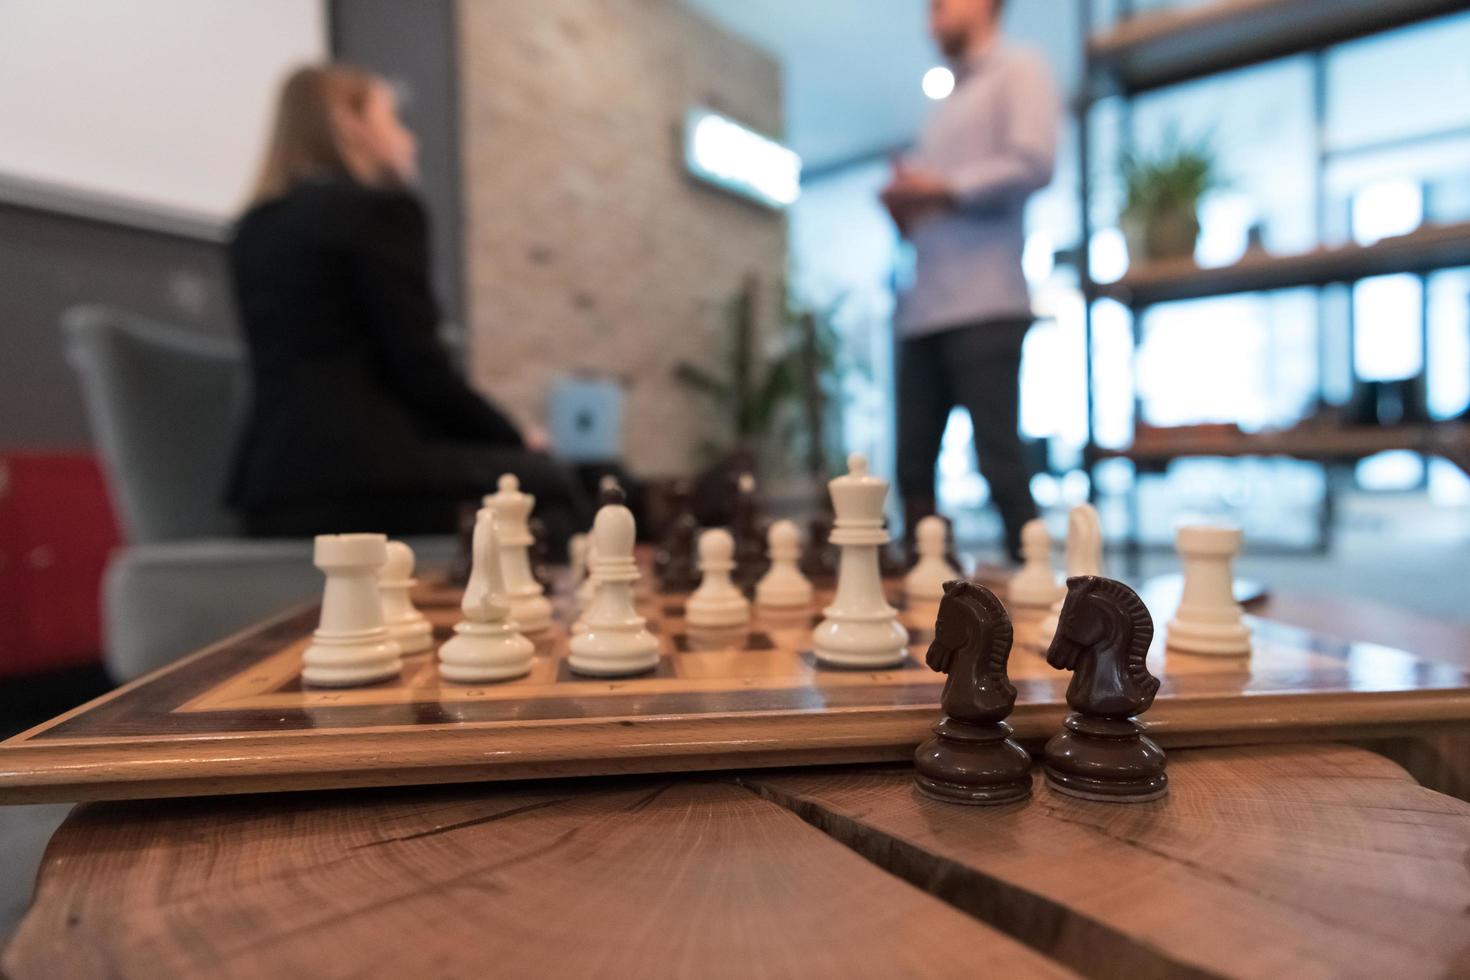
<point>819,560</point>
<point>610,492</point>
<point>460,567</point>
<point>541,561</point>
<point>674,563</point>
<point>972,758</point>
<point>750,539</point>
<point>1103,635</point>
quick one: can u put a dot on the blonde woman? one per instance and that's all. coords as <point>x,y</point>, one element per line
<point>359,421</point>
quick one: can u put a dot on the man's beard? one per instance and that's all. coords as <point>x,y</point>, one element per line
<point>952,44</point>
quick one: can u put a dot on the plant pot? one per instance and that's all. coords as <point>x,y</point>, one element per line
<point>1161,235</point>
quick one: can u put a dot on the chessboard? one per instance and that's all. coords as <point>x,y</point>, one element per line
<point>236,718</point>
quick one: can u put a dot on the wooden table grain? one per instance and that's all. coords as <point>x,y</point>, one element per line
<point>1319,860</point>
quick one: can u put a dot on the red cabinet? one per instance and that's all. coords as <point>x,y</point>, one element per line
<point>56,530</point>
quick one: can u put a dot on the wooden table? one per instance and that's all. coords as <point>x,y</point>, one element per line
<point>1272,861</point>
<point>1301,861</point>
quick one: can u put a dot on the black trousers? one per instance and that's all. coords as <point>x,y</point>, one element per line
<point>976,366</point>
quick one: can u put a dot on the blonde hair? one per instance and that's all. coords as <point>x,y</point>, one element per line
<point>304,143</point>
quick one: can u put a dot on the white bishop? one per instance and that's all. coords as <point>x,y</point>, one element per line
<point>485,647</point>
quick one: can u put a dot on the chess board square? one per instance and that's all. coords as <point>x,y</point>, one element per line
<point>768,662</point>
<point>737,639</point>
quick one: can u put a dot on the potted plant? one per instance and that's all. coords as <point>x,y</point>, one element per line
<point>1160,218</point>
<point>778,399</point>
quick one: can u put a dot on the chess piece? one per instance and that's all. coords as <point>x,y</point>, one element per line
<point>1084,557</point>
<point>351,645</point>
<point>673,563</point>
<point>1209,620</point>
<point>587,591</point>
<point>972,758</point>
<point>529,608</point>
<point>486,646</point>
<point>783,586</point>
<point>613,640</point>
<point>405,623</point>
<point>925,581</point>
<point>610,491</point>
<point>464,555</point>
<point>541,559</point>
<point>717,603</point>
<point>819,561</point>
<point>750,551</point>
<point>1102,637</point>
<point>860,629</point>
<point>1035,584</point>
<point>577,558</point>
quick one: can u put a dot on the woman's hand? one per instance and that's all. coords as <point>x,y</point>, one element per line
<point>536,438</point>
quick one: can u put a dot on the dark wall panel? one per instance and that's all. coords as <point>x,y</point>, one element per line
<point>50,261</point>
<point>412,42</point>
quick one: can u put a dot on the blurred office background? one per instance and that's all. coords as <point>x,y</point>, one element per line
<point>1299,371</point>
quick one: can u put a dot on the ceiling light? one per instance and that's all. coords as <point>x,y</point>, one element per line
<point>938,82</point>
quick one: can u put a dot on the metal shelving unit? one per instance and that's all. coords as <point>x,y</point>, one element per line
<point>1150,51</point>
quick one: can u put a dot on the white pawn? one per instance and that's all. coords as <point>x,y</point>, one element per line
<point>925,581</point>
<point>1209,619</point>
<point>717,603</point>
<point>406,624</point>
<point>1084,557</point>
<point>529,607</point>
<point>351,646</point>
<point>612,640</point>
<point>1036,583</point>
<point>783,586</point>
<point>485,647</point>
<point>860,629</point>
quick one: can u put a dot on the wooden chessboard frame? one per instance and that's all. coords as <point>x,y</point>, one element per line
<point>233,718</point>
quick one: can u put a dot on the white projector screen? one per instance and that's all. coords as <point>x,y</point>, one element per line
<point>162,103</point>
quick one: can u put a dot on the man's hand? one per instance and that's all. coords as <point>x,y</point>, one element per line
<point>912,195</point>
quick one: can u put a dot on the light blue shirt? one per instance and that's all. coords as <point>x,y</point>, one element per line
<point>994,141</point>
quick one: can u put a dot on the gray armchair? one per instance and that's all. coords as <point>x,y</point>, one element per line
<point>165,406</point>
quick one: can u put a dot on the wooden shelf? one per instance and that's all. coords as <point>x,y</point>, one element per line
<point>1320,443</point>
<point>1429,248</point>
<point>1171,46</point>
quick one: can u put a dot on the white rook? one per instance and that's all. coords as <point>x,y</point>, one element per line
<point>1209,619</point>
<point>351,645</point>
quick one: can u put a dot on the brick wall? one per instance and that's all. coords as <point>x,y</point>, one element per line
<point>587,248</point>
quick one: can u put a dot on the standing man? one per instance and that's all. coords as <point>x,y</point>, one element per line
<point>960,198</point>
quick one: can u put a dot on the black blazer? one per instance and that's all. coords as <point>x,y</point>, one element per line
<point>353,395</point>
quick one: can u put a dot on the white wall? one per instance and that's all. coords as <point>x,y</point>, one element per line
<point>160,102</point>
